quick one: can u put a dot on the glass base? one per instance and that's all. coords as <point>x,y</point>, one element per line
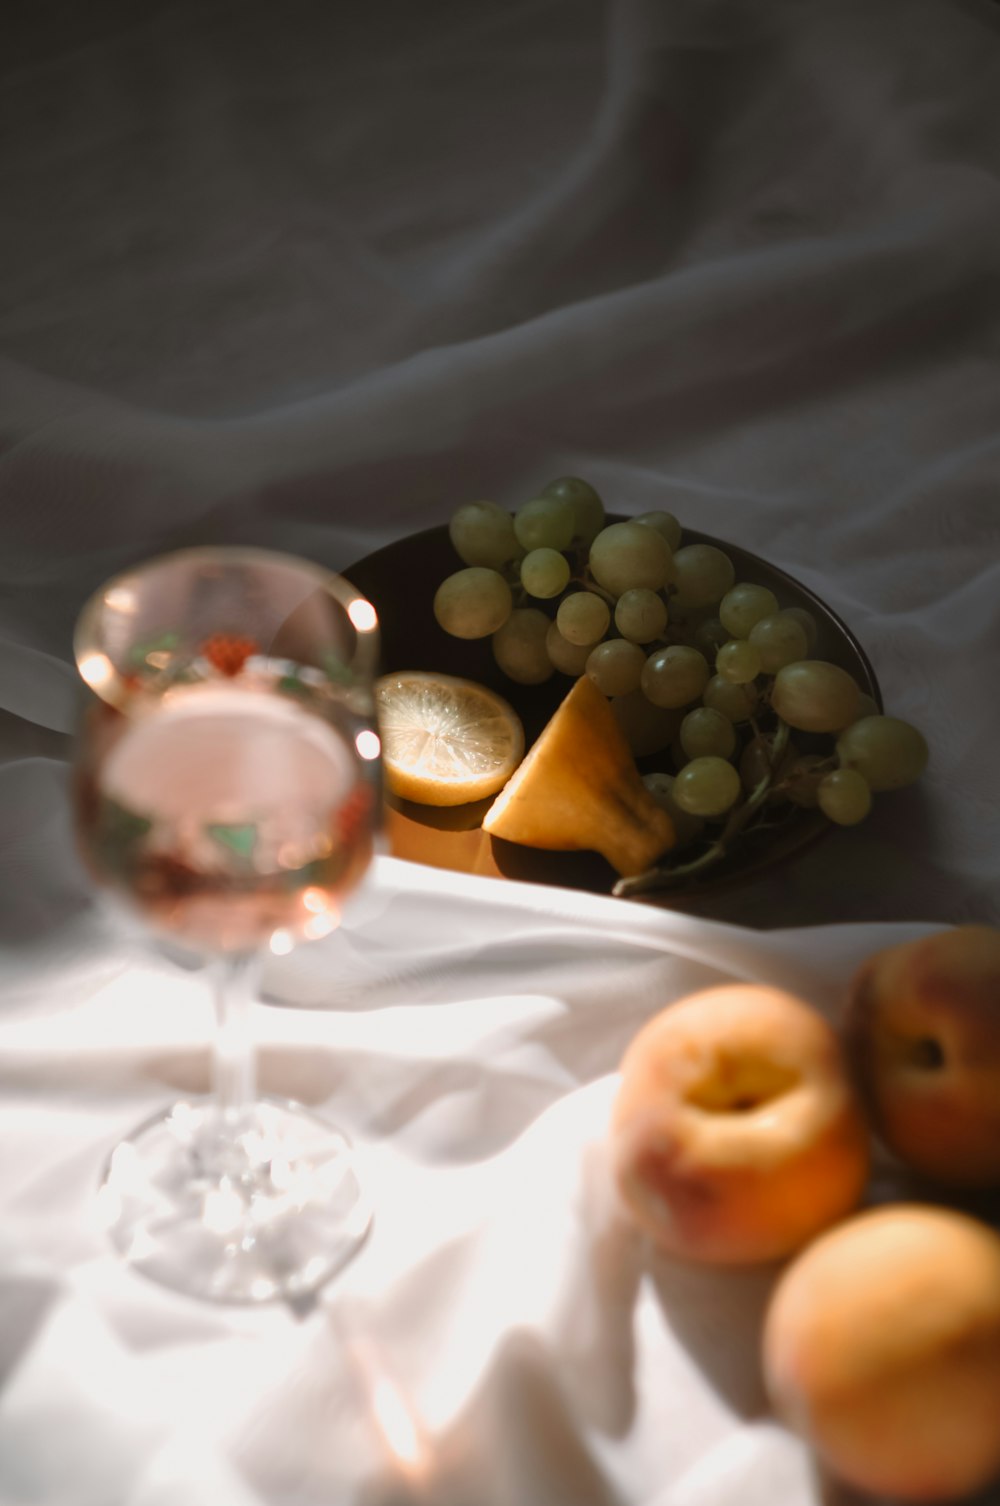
<point>263,1209</point>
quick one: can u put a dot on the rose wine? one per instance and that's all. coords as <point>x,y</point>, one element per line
<point>230,814</point>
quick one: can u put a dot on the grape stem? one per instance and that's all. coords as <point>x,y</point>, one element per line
<point>587,581</point>
<point>814,774</point>
<point>665,875</point>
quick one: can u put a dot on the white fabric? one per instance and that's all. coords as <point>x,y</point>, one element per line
<point>309,276</point>
<point>533,1348</point>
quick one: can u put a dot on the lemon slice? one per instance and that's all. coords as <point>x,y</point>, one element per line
<point>445,741</point>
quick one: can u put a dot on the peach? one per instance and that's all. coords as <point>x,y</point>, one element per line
<point>881,1348</point>
<point>922,1029</point>
<point>736,1134</point>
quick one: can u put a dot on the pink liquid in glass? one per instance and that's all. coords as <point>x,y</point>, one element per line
<point>230,814</point>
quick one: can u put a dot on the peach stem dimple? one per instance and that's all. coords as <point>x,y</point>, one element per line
<point>927,1052</point>
<point>740,1087</point>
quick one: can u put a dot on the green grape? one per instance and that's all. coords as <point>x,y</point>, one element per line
<point>705,732</point>
<point>687,828</point>
<point>702,575</point>
<point>583,618</point>
<point>664,523</point>
<point>738,702</point>
<point>588,509</point>
<point>887,752</point>
<point>616,666</point>
<point>707,787</point>
<point>844,796</point>
<point>779,640</point>
<point>869,706</point>
<point>647,728</point>
<point>483,534</point>
<point>544,573</point>
<point>803,777</point>
<point>674,676</point>
<point>708,636</point>
<point>519,646</point>
<point>629,554</point>
<point>472,603</point>
<point>807,622</point>
<point>568,658</point>
<point>738,661</point>
<point>640,615</point>
<point>545,523</point>
<point>745,604</point>
<point>815,696</point>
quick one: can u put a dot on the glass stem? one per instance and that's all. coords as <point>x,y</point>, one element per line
<point>234,1065</point>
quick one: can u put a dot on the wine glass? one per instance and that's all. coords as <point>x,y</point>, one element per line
<point>227,788</point>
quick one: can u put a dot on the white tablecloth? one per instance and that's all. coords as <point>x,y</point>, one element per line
<point>310,277</point>
<point>503,1337</point>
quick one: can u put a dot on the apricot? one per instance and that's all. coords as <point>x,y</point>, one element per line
<point>922,1028</point>
<point>736,1134</point>
<point>881,1348</point>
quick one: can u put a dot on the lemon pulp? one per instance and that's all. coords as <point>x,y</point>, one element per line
<point>445,740</point>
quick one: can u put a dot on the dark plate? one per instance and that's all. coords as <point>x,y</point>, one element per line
<point>401,580</point>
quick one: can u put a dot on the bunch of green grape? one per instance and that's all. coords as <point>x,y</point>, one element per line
<point>706,669</point>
